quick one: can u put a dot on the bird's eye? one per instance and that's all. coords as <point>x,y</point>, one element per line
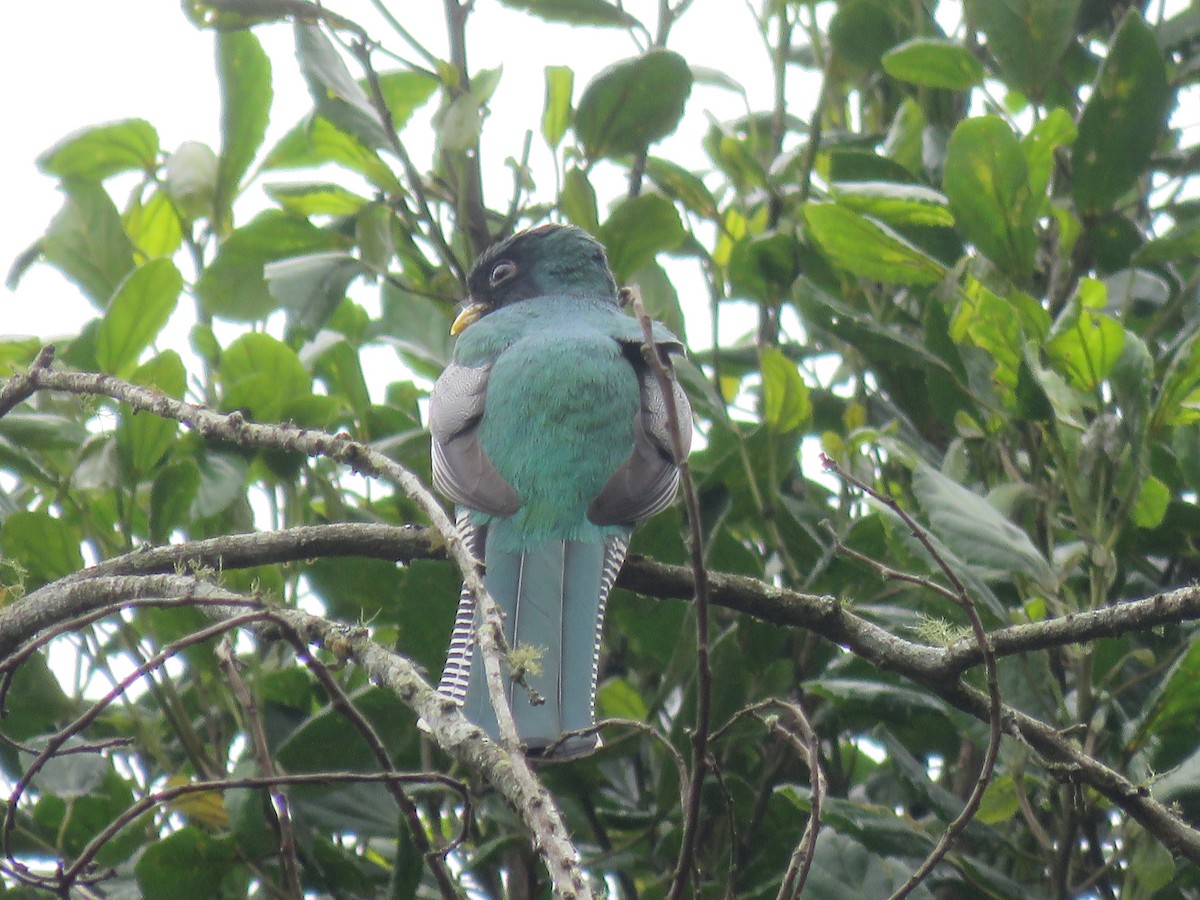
<point>502,273</point>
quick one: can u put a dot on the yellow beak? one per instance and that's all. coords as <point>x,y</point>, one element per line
<point>470,313</point>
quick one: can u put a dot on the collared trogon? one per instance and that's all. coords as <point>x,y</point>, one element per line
<point>551,436</point>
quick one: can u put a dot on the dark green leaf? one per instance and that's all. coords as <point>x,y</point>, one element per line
<point>260,374</point>
<point>660,298</point>
<point>137,313</point>
<point>233,286</point>
<point>171,498</point>
<point>987,182</point>
<point>684,186</point>
<point>188,863</point>
<point>557,113</point>
<point>143,438</point>
<point>338,97</point>
<point>244,72</point>
<point>638,230</point>
<point>632,104</point>
<point>863,30</point>
<point>310,287</point>
<point>87,243</point>
<point>46,546</point>
<point>418,327</point>
<point>974,530</point>
<point>578,201</point>
<point>1123,120</point>
<point>934,62</point>
<point>96,153</point>
<point>764,266</point>
<point>869,248</point>
<point>575,12</point>
<point>1027,37</point>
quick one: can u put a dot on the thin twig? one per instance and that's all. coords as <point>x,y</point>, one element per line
<point>691,819</point>
<point>258,738</point>
<point>995,704</point>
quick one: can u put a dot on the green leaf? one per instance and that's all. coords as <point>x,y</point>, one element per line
<point>1123,120</point>
<point>632,104</point>
<point>404,93</point>
<point>338,97</point>
<point>244,71</point>
<point>578,200</point>
<point>974,530</point>
<point>868,248</point>
<point>154,226</point>
<point>992,324</point>
<point>261,375</point>
<point>575,12</point>
<point>934,62</point>
<point>87,243</point>
<point>98,152</point>
<point>418,328</point>
<point>557,114</point>
<point>233,286</point>
<point>638,230</point>
<point>172,497</point>
<point>763,267</point>
<point>660,298</point>
<point>192,179</point>
<point>1027,37</point>
<point>143,438</point>
<point>1086,349</point>
<point>618,699</point>
<point>317,198</point>
<point>905,142</point>
<point>999,803</point>
<point>987,181</point>
<point>895,204</point>
<point>1151,506</point>
<point>310,287</point>
<point>317,141</point>
<point>785,403</point>
<point>1180,243</point>
<point>684,186</point>
<point>139,311</point>
<point>1056,130</point>
<point>188,863</point>
<point>47,547</point>
<point>861,31</point>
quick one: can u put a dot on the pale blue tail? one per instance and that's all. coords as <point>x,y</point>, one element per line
<point>552,597</point>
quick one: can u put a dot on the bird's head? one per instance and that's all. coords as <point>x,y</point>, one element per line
<point>549,260</point>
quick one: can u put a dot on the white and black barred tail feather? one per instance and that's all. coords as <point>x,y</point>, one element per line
<point>614,557</point>
<point>456,675</point>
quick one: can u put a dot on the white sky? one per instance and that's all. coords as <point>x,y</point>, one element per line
<point>68,64</point>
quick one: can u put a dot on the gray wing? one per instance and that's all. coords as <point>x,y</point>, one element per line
<point>461,469</point>
<point>646,482</point>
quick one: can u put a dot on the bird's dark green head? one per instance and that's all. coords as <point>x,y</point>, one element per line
<point>547,261</point>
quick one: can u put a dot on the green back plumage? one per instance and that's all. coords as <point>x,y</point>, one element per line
<point>559,413</point>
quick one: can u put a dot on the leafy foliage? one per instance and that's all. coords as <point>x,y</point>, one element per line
<point>970,272</point>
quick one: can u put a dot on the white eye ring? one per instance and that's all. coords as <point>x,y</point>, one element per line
<point>502,273</point>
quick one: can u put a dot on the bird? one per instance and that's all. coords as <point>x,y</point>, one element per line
<point>550,433</point>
